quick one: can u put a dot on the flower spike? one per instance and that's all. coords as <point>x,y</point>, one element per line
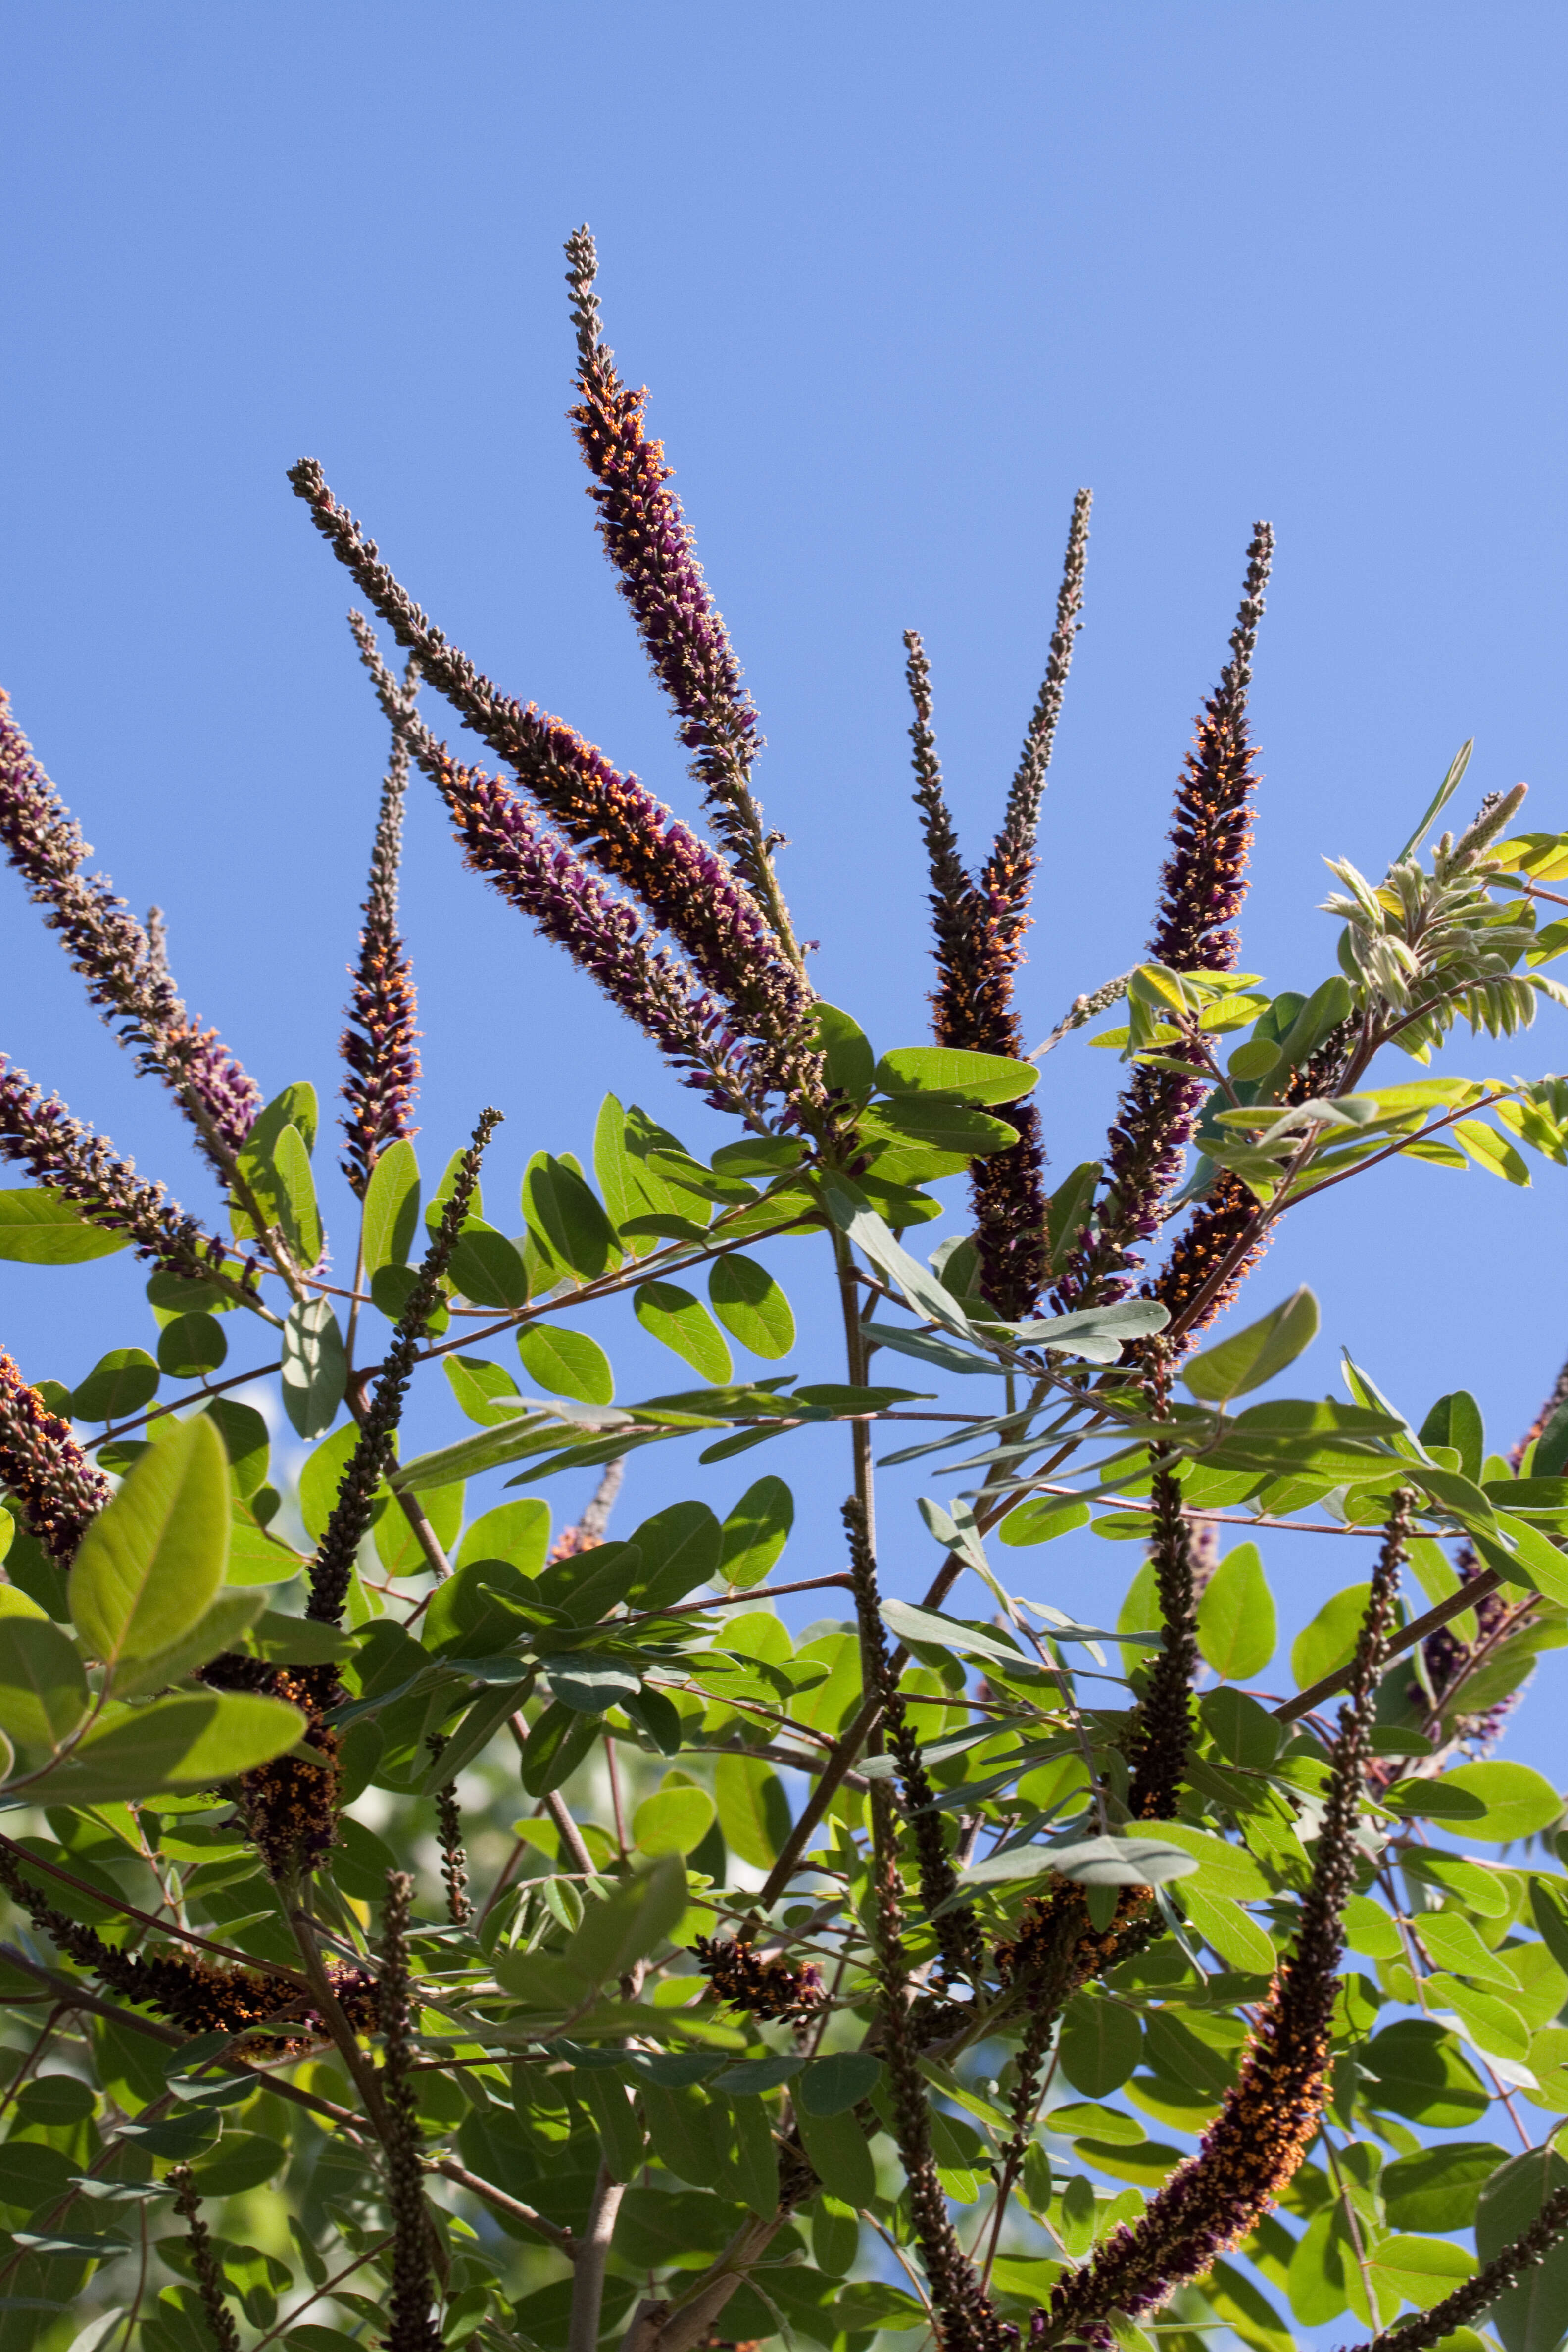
<point>979,926</point>
<point>1203,886</point>
<point>203,2260</point>
<point>125,966</point>
<point>378,1043</point>
<point>547,881</point>
<point>58,1490</point>
<point>61,1152</point>
<point>649,539</point>
<point>414,2326</point>
<point>620,828</point>
<point>1268,2118</point>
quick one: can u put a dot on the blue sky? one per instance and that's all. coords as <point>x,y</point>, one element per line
<point>900,277</point>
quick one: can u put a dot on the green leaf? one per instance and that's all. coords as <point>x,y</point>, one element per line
<point>615,2119</point>
<point>755,1533</point>
<point>1042,1519</point>
<point>320,1476</point>
<point>515,1532</point>
<point>1223,1868</point>
<point>1419,2071</point>
<point>119,1385</point>
<point>679,1549</point>
<point>567,1218</point>
<point>751,1306</point>
<point>630,1925</point>
<point>1423,2269</point>
<point>220,1627</point>
<point>1518,1801</point>
<point>391,1208</point>
<point>940,1123</point>
<point>1100,2044</point>
<point>831,2085</point>
<point>487,1268</point>
<point>1246,1358</point>
<point>567,1363</point>
<point>754,1811</point>
<point>486,1391</point>
<point>1437,2188</point>
<point>590,1682</point>
<point>43,1689</point>
<point>556,1745</point>
<point>1529,2316</point>
<point>1243,1731</point>
<point>150,1562</point>
<point>397,1547</point>
<point>1236,1625</point>
<point>296,1195</point>
<point>1330,1641</point>
<point>839,2154</point>
<point>191,1347</point>
<point>683,1324</point>
<point>1490,1150</point>
<point>847,1059</point>
<point>940,1070</point>
<point>756,2161</point>
<point>1455,1420</point>
<point>176,1743</point>
<point>40,1227</point>
<point>674,1819</point>
<point>315,1367</point>
<point>1237,1937</point>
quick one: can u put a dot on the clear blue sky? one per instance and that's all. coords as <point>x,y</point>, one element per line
<point>900,277</point>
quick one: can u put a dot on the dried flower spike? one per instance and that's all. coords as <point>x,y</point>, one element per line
<point>414,2326</point>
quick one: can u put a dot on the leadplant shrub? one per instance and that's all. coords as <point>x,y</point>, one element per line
<point>435,1932</point>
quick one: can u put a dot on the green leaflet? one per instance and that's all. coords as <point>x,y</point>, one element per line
<point>43,1689</point>
<point>566,1218</point>
<point>119,1385</point>
<point>1236,1625</point>
<point>750,1305</point>
<point>175,1743</point>
<point>1248,1358</point>
<point>38,1227</point>
<point>755,1532</point>
<point>391,1208</point>
<point>840,2156</point>
<point>940,1069</point>
<point>682,1323</point>
<point>567,1363</point>
<point>150,1564</point>
<point>315,1367</point>
<point>754,1811</point>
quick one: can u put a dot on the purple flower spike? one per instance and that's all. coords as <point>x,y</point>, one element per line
<point>649,539</point>
<point>1203,886</point>
<point>379,1043</point>
<point>60,1152</point>
<point>619,827</point>
<point>979,926</point>
<point>57,1489</point>
<point>125,969</point>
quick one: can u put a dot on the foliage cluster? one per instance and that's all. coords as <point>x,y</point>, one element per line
<point>445,1927</point>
